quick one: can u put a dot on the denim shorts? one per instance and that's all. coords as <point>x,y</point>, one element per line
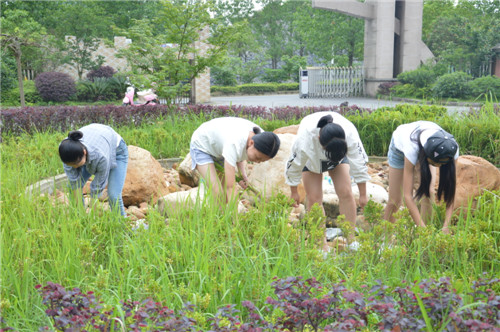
<point>395,157</point>
<point>199,157</point>
<point>328,165</point>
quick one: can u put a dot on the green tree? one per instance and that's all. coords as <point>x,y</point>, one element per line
<point>19,33</point>
<point>331,37</point>
<point>272,26</point>
<point>461,35</point>
<point>163,50</point>
<point>87,22</point>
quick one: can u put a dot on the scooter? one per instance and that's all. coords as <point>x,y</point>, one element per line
<point>144,97</point>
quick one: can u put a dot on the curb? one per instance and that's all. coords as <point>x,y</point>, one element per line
<point>50,185</point>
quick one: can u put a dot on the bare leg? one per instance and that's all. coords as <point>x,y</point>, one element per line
<point>395,193</point>
<point>209,173</point>
<point>342,183</point>
<point>313,185</point>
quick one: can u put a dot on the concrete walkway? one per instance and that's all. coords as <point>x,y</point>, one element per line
<point>294,100</point>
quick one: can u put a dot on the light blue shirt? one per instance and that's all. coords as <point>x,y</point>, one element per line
<point>101,142</point>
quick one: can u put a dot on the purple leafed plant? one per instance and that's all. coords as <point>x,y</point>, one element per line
<point>64,118</point>
<point>298,305</point>
<point>75,311</point>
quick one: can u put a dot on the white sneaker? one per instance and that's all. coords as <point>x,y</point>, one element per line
<point>332,233</point>
<point>354,246</point>
<point>140,223</point>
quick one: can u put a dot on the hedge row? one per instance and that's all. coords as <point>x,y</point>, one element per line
<point>477,133</point>
<point>255,88</point>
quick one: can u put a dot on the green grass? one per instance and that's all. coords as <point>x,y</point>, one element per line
<point>204,255</point>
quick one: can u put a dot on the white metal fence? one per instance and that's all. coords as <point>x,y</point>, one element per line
<point>334,82</point>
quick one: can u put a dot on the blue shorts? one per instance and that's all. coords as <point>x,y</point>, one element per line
<point>199,157</point>
<point>395,157</point>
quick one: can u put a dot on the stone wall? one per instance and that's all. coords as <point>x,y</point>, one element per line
<point>200,85</point>
<point>109,54</point>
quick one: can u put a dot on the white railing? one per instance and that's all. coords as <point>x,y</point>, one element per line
<point>335,82</point>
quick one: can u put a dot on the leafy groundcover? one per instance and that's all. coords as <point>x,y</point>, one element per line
<point>298,305</point>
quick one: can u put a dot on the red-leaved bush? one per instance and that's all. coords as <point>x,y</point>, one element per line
<point>64,118</point>
<point>54,86</point>
<point>303,305</point>
<point>103,71</point>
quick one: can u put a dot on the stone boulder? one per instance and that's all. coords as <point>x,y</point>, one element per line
<point>186,174</point>
<point>144,181</point>
<point>180,199</point>
<point>186,200</point>
<point>287,130</point>
<point>374,192</point>
<point>269,176</point>
<point>474,175</point>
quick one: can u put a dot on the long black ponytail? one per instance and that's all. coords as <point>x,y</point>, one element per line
<point>332,138</point>
<point>447,177</point>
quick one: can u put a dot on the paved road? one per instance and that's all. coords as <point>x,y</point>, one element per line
<point>294,100</point>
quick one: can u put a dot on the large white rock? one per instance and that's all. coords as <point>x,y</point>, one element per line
<point>186,200</point>
<point>180,199</point>
<point>269,177</point>
<point>331,201</point>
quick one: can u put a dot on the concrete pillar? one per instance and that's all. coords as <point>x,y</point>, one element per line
<point>495,70</point>
<point>410,35</point>
<point>393,36</point>
<point>379,45</point>
<point>201,84</point>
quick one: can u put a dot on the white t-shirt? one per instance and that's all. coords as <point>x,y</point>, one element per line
<point>224,137</point>
<point>307,150</point>
<point>405,137</point>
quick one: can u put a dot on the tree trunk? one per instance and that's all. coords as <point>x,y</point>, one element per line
<point>20,77</point>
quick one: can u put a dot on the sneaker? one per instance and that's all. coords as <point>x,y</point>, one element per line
<point>354,246</point>
<point>140,223</point>
<point>324,253</point>
<point>332,233</point>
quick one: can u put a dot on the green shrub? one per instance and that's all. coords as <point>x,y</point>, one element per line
<point>31,95</point>
<point>454,85</point>
<point>410,90</point>
<point>274,75</point>
<point>485,86</point>
<point>420,77</point>
<point>223,76</point>
<point>100,89</point>
<point>292,65</point>
<point>118,85</point>
<point>256,88</point>
<point>227,90</point>
<point>288,86</point>
<point>8,73</point>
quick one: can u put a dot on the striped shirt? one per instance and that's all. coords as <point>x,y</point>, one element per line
<point>101,142</point>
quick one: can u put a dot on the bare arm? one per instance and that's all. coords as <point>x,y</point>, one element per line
<point>229,177</point>
<point>294,194</point>
<point>242,171</point>
<point>363,197</point>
